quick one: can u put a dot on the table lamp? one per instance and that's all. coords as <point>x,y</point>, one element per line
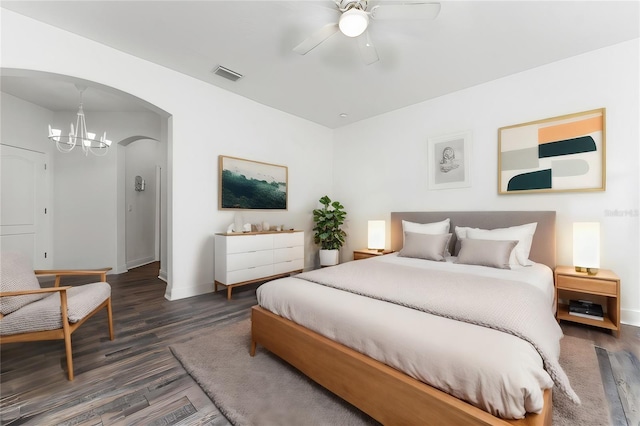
<point>586,247</point>
<point>376,234</point>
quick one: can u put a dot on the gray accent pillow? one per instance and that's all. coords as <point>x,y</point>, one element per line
<point>492,253</point>
<point>425,246</point>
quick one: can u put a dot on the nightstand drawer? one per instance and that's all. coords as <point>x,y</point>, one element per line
<point>587,284</point>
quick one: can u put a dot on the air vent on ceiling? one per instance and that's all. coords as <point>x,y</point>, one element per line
<point>227,73</point>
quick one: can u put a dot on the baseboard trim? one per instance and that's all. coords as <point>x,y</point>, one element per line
<point>183,293</point>
<point>630,317</point>
<point>140,262</point>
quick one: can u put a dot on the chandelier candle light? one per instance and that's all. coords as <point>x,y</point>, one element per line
<point>79,135</point>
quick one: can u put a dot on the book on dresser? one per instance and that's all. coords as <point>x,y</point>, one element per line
<point>586,309</point>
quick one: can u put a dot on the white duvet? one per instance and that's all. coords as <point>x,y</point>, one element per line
<point>495,371</point>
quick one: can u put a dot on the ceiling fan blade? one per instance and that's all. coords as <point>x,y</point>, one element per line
<point>406,11</point>
<point>367,49</point>
<point>316,38</point>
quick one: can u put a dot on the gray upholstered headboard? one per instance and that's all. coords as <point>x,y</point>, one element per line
<point>543,248</point>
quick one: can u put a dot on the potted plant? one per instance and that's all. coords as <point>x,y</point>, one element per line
<point>328,232</point>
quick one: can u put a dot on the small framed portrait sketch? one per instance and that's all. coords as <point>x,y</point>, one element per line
<point>449,161</point>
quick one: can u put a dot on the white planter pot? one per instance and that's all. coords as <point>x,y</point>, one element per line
<point>329,257</point>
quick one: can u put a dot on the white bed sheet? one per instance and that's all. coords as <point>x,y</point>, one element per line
<point>495,371</point>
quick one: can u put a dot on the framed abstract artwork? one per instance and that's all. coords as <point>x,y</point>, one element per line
<point>246,184</point>
<point>565,153</point>
<point>449,161</point>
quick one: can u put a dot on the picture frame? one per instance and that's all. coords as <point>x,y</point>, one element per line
<point>449,161</point>
<point>252,185</point>
<point>559,154</point>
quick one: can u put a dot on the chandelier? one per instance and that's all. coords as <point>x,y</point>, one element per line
<point>80,136</point>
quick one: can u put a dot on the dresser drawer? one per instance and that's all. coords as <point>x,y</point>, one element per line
<point>286,254</point>
<point>246,243</point>
<point>591,285</point>
<point>252,259</point>
<point>288,239</point>
<point>285,267</point>
<point>249,274</point>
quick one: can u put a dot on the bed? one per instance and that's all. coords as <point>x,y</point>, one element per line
<point>387,376</point>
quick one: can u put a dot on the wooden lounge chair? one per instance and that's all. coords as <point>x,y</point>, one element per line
<point>31,313</point>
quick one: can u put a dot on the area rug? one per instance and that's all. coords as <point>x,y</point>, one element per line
<point>264,390</point>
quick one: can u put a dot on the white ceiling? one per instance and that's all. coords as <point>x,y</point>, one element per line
<point>469,43</point>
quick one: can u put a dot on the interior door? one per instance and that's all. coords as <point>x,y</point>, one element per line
<point>22,203</point>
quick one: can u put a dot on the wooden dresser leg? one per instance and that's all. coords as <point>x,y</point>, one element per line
<point>229,292</point>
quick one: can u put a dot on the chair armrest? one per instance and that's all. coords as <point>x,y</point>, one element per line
<point>59,273</point>
<point>62,272</point>
<point>36,291</point>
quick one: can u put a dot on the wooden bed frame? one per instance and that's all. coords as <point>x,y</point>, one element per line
<point>384,393</point>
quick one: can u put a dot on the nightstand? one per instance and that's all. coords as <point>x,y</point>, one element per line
<point>602,288</point>
<point>367,253</point>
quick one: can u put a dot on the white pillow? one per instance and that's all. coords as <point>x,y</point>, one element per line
<point>461,234</point>
<point>461,231</point>
<point>521,233</point>
<point>433,228</point>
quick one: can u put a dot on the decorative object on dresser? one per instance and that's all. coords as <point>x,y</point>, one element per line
<point>251,257</point>
<point>367,253</point>
<point>565,153</point>
<point>602,289</point>
<point>328,230</point>
<point>246,184</point>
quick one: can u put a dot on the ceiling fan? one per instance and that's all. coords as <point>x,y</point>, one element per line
<point>354,20</point>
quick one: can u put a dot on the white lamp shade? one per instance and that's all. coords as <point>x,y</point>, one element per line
<point>377,233</point>
<point>353,22</point>
<point>586,244</point>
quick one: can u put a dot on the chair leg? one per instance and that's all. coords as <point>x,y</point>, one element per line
<point>67,346</point>
<point>110,319</point>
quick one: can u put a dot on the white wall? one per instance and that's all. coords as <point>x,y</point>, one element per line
<point>384,159</point>
<point>140,206</point>
<point>86,207</point>
<point>206,122</point>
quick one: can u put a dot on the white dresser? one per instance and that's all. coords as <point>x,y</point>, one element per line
<point>247,258</point>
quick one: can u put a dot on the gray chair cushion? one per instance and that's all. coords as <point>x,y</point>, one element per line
<point>16,273</point>
<point>45,314</point>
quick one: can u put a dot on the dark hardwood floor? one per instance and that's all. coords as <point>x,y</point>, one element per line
<point>135,379</point>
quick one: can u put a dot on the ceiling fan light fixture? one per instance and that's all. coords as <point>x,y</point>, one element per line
<point>353,22</point>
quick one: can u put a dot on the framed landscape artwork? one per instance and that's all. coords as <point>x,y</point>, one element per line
<point>448,161</point>
<point>246,184</point>
<point>565,153</point>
